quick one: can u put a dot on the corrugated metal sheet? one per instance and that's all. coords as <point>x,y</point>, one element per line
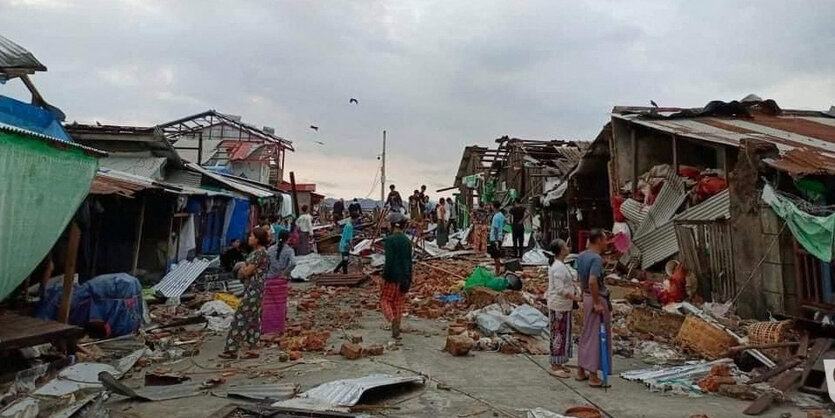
<point>175,283</point>
<point>14,56</point>
<point>349,391</point>
<point>110,183</point>
<point>803,162</point>
<point>141,166</point>
<point>661,242</point>
<point>669,199</point>
<point>792,130</point>
<point>232,184</point>
<point>51,140</point>
<point>274,392</point>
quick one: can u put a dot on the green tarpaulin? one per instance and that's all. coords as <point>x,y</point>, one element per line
<point>482,278</point>
<point>42,186</point>
<point>813,233</point>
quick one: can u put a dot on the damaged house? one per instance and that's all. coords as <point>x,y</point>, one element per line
<point>723,187</point>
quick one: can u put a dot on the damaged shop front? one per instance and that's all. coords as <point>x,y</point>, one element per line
<point>689,185</point>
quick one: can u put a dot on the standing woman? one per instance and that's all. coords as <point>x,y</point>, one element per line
<point>282,262</point>
<point>305,225</point>
<point>561,297</point>
<point>246,324</point>
<point>442,233</point>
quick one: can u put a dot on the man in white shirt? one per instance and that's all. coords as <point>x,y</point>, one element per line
<point>305,225</point>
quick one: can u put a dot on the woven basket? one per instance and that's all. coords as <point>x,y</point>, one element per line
<point>771,332</point>
<point>703,338</point>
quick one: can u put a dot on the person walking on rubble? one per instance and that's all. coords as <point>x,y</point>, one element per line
<point>496,236</point>
<point>561,296</point>
<point>596,309</point>
<point>338,210</point>
<point>442,231</point>
<point>479,234</point>
<point>397,273</point>
<point>452,209</point>
<point>246,323</point>
<point>274,305</point>
<point>518,214</point>
<point>394,202</point>
<point>305,227</point>
<point>414,206</point>
<point>345,243</point>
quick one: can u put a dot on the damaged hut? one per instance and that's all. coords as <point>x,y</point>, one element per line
<point>723,187</point>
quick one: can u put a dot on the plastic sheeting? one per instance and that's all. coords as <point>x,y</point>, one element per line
<point>32,118</point>
<point>815,233</point>
<point>313,263</point>
<point>237,221</point>
<point>41,189</point>
<point>112,299</point>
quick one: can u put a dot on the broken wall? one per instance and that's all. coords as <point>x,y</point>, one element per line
<point>754,229</point>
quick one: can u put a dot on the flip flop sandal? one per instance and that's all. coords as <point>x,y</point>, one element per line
<point>599,385</point>
<point>228,356</point>
<point>562,374</point>
<point>581,379</point>
<point>250,355</point>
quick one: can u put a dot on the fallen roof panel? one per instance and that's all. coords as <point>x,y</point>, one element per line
<point>14,56</point>
<point>175,283</point>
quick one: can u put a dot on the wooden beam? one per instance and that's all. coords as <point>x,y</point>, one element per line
<point>675,153</point>
<point>137,246</point>
<point>69,272</point>
<point>634,142</point>
<point>295,195</point>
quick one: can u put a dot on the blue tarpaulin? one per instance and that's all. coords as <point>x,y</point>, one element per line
<point>32,118</point>
<point>238,220</point>
<point>114,300</point>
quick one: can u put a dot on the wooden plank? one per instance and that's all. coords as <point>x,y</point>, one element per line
<point>69,272</point>
<point>821,346</point>
<point>775,371</point>
<point>138,237</point>
<point>22,331</point>
<point>783,383</point>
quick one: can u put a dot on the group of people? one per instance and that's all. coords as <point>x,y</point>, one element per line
<point>265,272</point>
<point>593,298</point>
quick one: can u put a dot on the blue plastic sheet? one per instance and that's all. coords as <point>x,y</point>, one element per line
<point>32,118</point>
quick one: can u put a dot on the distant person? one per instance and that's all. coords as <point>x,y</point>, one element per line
<point>355,207</point>
<point>424,200</point>
<point>496,236</point>
<point>452,209</point>
<point>518,215</point>
<point>394,202</point>
<point>345,244</point>
<point>595,309</point>
<point>397,273</point>
<point>305,227</point>
<point>338,210</point>
<point>441,231</point>
<point>414,206</point>
<point>561,296</point>
<point>480,228</point>
<point>246,323</point>
<point>232,256</point>
<point>276,287</point>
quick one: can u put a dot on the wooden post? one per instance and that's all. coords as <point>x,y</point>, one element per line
<point>69,272</point>
<point>635,168</point>
<point>295,195</point>
<point>675,153</point>
<point>139,236</point>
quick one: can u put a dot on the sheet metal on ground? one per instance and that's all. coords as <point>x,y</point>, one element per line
<point>273,392</point>
<point>340,394</point>
<point>175,283</point>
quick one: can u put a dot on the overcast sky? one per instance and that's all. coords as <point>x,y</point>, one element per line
<point>437,75</point>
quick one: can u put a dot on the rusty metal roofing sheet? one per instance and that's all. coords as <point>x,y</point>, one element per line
<point>803,162</point>
<point>14,56</point>
<point>175,283</point>
<point>660,243</point>
<point>111,183</point>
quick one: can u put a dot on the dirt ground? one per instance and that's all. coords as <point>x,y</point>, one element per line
<point>491,381</point>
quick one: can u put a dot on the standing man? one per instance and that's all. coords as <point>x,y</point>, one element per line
<point>518,216</point>
<point>305,227</point>
<point>595,309</point>
<point>479,233</point>
<point>394,201</point>
<point>345,243</point>
<point>397,273</point>
<point>496,236</point>
<point>355,207</point>
<point>424,199</point>
<point>338,210</point>
<point>414,206</point>
<point>442,231</point>
<point>453,214</point>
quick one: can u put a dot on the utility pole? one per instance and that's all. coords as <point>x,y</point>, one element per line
<point>383,172</point>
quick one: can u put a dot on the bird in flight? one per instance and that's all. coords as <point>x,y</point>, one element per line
<point>314,127</point>
<point>354,101</point>
<point>319,142</point>
<point>652,102</point>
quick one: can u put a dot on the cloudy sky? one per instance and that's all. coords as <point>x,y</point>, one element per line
<point>437,75</point>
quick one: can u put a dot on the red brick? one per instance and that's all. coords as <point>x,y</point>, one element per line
<point>459,345</point>
<point>351,351</point>
<point>373,350</point>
